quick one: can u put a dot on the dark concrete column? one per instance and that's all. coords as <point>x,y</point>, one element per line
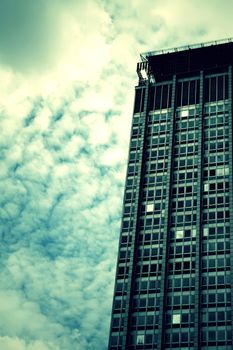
<point>198,223</point>
<point>166,221</point>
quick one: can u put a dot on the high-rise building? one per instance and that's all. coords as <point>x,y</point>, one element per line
<point>174,279</point>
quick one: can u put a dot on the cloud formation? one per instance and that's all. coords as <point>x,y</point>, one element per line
<point>68,71</point>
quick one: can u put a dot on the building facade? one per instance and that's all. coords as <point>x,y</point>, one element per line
<point>174,278</point>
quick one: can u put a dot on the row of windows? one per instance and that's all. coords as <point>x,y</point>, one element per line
<point>148,285</point>
<point>184,204</point>
<point>129,210</point>
<point>154,207</point>
<point>177,319</point>
<point>185,176</point>
<point>186,162</point>
<point>213,108</point>
<point>151,179</point>
<point>129,197</point>
<point>136,132</point>
<point>134,156</point>
<point>188,136</point>
<point>140,339</point>
<point>158,193</point>
<point>184,189</point>
<point>157,140</point>
<point>216,171</point>
<point>150,238</point>
<point>160,116</point>
<point>151,221</point>
<point>147,302</point>
<point>121,286</point>
<point>117,322</point>
<point>126,239</point>
<point>216,186</point>
<point>188,218</point>
<point>123,270</point>
<point>181,266</point>
<point>216,298</point>
<point>150,252</point>
<point>127,224</point>
<point>148,268</point>
<point>157,153</point>
<point>216,335</point>
<point>189,124</point>
<point>182,249</point>
<point>145,320</point>
<point>216,146</point>
<point>216,121</point>
<point>213,263</point>
<point>178,282</point>
<point>216,280</point>
<point>184,113</point>
<point>124,254</point>
<point>158,128</point>
<point>215,159</point>
<point>189,149</point>
<point>132,168</point>
<point>154,166</point>
<point>136,119</point>
<point>216,201</point>
<point>215,216</point>
<point>183,336</point>
<point>178,300</point>
<point>119,304</point>
<point>216,246</point>
<point>130,182</point>
<point>182,233</point>
<point>135,143</point>
<point>211,336</point>
<point>217,133</point>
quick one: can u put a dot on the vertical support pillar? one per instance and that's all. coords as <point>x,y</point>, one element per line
<point>231,187</point>
<point>166,221</point>
<point>198,223</point>
<point>143,123</point>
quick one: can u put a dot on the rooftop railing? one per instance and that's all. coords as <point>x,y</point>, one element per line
<point>145,55</point>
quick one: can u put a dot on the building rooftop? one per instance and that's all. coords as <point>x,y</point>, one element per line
<point>185,60</point>
<point>144,56</point>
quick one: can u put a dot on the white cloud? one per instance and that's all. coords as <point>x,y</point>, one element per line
<point>65,113</point>
<point>14,343</point>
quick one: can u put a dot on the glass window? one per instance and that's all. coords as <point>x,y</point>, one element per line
<point>176,319</point>
<point>205,231</point>
<point>140,339</point>
<point>179,233</point>
<point>114,340</point>
<point>150,207</point>
<point>184,113</point>
<point>194,231</point>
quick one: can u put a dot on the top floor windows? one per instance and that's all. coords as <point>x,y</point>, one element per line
<point>216,88</point>
<point>160,97</point>
<point>188,92</point>
<point>139,100</point>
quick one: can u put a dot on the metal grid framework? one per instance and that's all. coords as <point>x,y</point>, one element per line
<point>174,278</point>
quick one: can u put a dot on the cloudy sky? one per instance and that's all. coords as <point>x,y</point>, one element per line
<point>67,72</point>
